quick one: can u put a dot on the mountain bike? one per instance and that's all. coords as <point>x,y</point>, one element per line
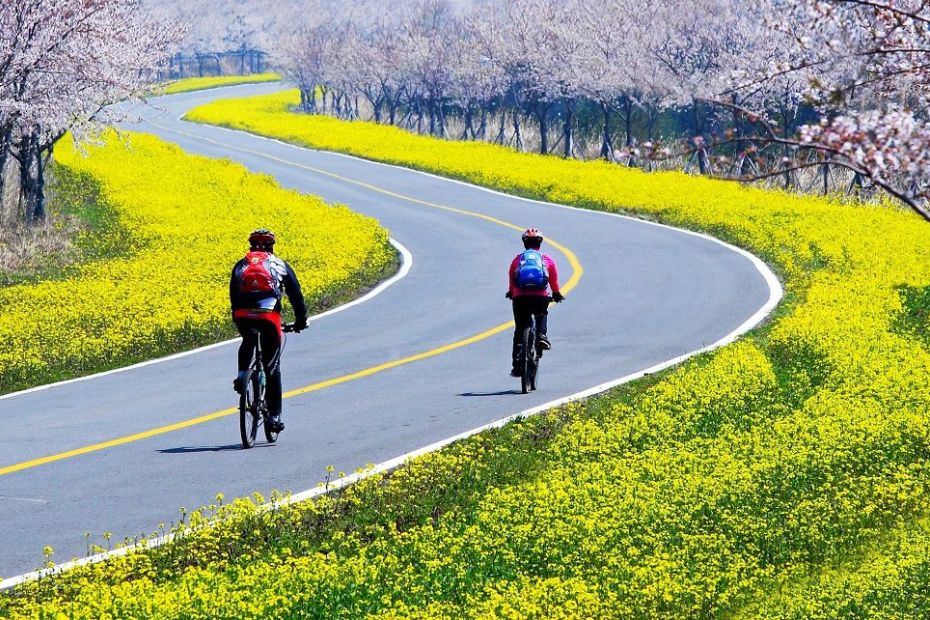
<point>253,409</point>
<point>529,357</point>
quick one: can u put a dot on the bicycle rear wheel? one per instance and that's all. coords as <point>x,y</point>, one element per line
<point>270,435</point>
<point>249,409</point>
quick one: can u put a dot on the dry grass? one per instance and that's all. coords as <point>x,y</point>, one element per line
<point>28,250</point>
<point>32,250</point>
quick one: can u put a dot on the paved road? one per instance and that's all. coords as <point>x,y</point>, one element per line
<point>647,294</point>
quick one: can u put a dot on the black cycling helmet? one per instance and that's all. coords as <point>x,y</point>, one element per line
<point>532,238</point>
<point>262,239</point>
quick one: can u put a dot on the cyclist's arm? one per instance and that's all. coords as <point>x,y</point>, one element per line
<point>295,295</point>
<point>553,274</point>
<point>233,291</point>
<point>512,287</point>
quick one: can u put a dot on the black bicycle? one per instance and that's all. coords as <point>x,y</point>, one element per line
<point>528,359</point>
<point>253,409</point>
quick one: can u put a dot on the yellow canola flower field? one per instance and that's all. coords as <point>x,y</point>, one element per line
<point>203,83</point>
<point>186,220</point>
<point>783,476</point>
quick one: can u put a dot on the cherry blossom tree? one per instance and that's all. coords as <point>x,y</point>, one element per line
<point>864,65</point>
<point>61,63</point>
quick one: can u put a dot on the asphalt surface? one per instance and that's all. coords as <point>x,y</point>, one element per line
<point>648,294</point>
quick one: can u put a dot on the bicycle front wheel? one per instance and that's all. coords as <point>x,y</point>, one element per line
<point>526,367</point>
<point>533,358</point>
<point>249,410</point>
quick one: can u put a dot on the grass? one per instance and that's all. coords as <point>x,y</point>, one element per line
<point>80,227</point>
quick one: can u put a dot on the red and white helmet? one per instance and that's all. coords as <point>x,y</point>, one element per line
<point>532,233</point>
<point>262,238</point>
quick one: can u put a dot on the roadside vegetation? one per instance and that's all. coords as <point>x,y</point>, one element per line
<point>76,224</point>
<point>782,476</point>
<point>204,83</point>
<point>149,274</point>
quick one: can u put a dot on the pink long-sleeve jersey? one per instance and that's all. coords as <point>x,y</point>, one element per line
<point>553,278</point>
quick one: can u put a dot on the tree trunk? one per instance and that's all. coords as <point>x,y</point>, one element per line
<point>856,185</point>
<point>568,129</point>
<point>606,146</point>
<point>38,213</point>
<point>517,134</point>
<point>432,118</point>
<point>541,112</point>
<point>377,104</point>
<point>483,124</point>
<point>698,130</point>
<point>651,117</point>
<point>628,119</point>
<point>500,134</point>
<point>467,121</point>
<point>442,122</point>
<point>27,155</point>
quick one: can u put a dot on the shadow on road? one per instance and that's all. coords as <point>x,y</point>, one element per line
<point>502,393</point>
<point>188,449</point>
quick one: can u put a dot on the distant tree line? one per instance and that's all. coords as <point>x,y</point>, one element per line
<point>241,61</point>
<point>755,90</point>
<point>224,37</point>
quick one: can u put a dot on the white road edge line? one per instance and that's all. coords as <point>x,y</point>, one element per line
<point>775,295</point>
<point>406,262</point>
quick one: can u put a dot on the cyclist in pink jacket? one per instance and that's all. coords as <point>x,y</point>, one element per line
<point>532,275</point>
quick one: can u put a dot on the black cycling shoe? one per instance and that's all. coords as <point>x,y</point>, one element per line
<point>544,343</point>
<point>275,424</point>
<point>515,372</point>
<point>239,382</point>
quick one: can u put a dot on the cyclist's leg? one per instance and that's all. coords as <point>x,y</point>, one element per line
<point>521,317</point>
<point>271,352</point>
<point>541,311</point>
<point>246,350</point>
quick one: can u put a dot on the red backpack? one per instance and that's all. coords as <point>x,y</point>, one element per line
<point>257,276</point>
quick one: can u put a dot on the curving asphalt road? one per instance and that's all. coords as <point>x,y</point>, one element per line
<point>648,294</point>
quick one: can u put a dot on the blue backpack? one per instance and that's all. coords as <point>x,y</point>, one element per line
<point>531,274</point>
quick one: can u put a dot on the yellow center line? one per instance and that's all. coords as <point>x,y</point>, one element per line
<point>577,271</point>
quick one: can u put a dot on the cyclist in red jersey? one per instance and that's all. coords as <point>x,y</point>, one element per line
<point>255,290</point>
<point>531,277</point>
